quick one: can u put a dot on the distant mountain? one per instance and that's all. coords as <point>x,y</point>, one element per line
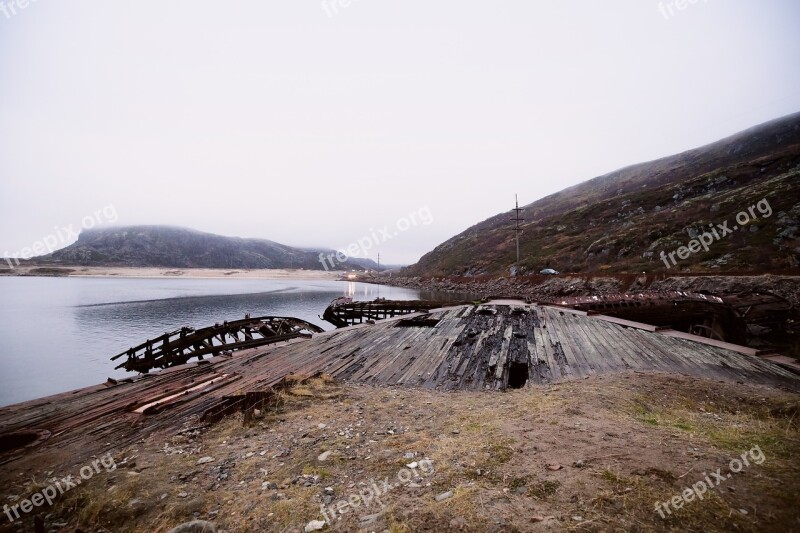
<point>173,247</point>
<point>622,221</point>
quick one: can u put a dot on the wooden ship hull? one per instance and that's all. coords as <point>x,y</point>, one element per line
<point>494,346</point>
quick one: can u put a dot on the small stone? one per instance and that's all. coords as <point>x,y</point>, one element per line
<point>537,518</point>
<point>182,495</point>
<point>456,432</point>
<point>743,511</point>
<point>195,526</point>
<point>204,460</point>
<point>412,465</point>
<point>321,426</point>
<point>554,467</point>
<point>324,456</point>
<point>458,523</point>
<point>578,518</point>
<point>444,496</point>
<point>367,519</point>
<point>314,525</point>
<point>580,463</point>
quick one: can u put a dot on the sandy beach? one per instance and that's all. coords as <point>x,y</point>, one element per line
<point>150,272</point>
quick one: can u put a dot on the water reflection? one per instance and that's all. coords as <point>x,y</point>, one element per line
<point>57,334</point>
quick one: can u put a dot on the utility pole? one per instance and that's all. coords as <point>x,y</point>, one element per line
<point>517,230</point>
<point>378,273</point>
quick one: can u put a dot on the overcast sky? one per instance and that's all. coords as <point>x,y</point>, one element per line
<point>313,123</point>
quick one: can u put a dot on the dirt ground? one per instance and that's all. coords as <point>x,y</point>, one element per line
<point>590,455</point>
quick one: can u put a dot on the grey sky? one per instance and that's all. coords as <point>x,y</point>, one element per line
<point>277,120</point>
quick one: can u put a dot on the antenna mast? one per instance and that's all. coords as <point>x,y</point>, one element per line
<point>517,229</point>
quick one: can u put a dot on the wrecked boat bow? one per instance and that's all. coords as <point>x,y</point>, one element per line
<point>180,346</point>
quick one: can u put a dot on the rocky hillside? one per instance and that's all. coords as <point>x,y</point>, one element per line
<point>163,246</point>
<point>621,222</point>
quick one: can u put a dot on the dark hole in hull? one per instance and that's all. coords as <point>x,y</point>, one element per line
<point>517,375</point>
<point>12,441</point>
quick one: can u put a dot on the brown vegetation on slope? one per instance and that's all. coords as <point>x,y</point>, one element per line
<point>622,221</point>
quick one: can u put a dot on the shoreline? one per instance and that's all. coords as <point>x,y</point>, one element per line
<point>542,288</point>
<point>170,273</point>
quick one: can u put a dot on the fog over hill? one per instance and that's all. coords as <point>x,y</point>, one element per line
<point>175,247</point>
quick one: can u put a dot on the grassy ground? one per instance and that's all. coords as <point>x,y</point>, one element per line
<point>589,455</point>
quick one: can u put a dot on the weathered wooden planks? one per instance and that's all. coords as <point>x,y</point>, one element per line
<point>461,347</point>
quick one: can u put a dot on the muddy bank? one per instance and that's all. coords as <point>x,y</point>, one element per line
<point>545,288</point>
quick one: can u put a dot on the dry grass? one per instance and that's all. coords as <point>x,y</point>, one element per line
<point>590,455</point>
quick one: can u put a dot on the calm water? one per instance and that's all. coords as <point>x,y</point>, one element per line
<point>57,334</point>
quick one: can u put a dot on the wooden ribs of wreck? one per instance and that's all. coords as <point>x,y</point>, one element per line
<point>343,312</point>
<point>724,318</point>
<point>182,345</point>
